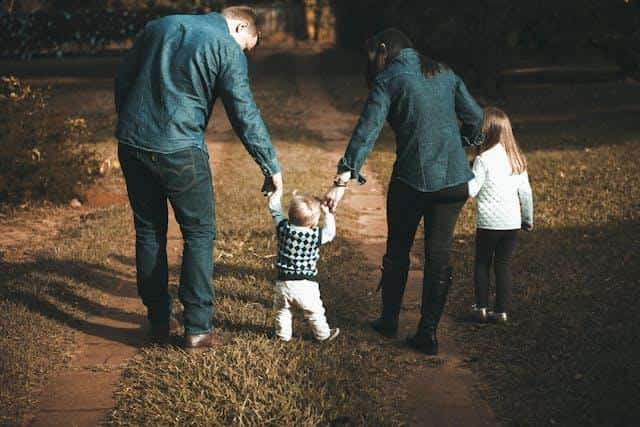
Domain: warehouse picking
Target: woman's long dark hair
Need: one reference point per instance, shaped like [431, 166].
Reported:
[395, 40]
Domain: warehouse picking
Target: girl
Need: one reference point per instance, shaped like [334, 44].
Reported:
[503, 206]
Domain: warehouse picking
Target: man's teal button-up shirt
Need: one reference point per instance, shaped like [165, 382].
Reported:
[168, 82]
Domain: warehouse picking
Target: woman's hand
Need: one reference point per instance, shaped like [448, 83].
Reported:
[333, 197]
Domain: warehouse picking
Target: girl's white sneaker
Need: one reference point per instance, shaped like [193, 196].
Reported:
[479, 314]
[498, 317]
[333, 333]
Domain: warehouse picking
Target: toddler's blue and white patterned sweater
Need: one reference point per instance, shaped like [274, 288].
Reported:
[299, 246]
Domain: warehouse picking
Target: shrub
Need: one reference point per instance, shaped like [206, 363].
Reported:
[41, 157]
[60, 31]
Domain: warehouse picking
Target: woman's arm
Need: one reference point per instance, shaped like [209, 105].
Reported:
[366, 132]
[470, 113]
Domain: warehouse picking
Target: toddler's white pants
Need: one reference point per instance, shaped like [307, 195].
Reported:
[304, 294]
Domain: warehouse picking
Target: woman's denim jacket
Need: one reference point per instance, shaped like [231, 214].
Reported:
[423, 112]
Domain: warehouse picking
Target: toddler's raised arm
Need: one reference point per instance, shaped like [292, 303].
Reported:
[328, 232]
[275, 207]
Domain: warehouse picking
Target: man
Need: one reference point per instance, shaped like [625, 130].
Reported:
[164, 93]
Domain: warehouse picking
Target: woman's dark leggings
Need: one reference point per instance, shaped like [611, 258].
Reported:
[405, 209]
[496, 246]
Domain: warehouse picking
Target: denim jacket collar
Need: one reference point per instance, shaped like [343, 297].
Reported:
[218, 19]
[408, 60]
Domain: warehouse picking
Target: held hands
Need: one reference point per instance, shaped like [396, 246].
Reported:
[335, 193]
[272, 186]
[333, 197]
[325, 209]
[527, 227]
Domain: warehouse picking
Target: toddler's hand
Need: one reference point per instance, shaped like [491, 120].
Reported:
[325, 208]
[527, 227]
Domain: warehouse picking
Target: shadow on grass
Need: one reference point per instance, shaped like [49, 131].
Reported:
[69, 291]
[570, 350]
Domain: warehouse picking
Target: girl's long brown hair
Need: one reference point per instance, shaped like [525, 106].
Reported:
[497, 130]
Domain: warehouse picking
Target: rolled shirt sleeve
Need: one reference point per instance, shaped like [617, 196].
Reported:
[243, 112]
[366, 132]
[470, 113]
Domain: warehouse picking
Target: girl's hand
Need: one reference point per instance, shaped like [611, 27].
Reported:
[333, 197]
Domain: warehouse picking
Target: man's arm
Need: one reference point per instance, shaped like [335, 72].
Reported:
[127, 72]
[244, 115]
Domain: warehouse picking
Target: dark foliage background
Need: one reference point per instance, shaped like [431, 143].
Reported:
[481, 37]
[42, 157]
[477, 38]
[57, 30]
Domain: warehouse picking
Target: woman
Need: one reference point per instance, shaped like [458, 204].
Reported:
[423, 101]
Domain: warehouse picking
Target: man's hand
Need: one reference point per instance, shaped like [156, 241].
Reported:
[273, 184]
[333, 197]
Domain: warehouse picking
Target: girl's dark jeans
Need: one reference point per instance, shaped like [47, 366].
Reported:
[494, 246]
[406, 207]
[184, 179]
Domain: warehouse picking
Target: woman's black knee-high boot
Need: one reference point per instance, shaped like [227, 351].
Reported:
[392, 284]
[434, 298]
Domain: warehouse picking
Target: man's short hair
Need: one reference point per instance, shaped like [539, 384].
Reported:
[243, 13]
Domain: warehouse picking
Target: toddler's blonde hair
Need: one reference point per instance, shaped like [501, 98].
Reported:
[304, 210]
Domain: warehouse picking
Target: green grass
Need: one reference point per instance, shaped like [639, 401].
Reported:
[569, 354]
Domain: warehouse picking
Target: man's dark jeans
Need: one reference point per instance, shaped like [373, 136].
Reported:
[183, 178]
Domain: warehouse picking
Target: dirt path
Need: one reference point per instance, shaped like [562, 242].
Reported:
[83, 393]
[440, 390]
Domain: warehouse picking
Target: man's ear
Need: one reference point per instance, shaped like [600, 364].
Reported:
[240, 27]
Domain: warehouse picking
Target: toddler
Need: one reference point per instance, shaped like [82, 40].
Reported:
[503, 206]
[299, 240]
